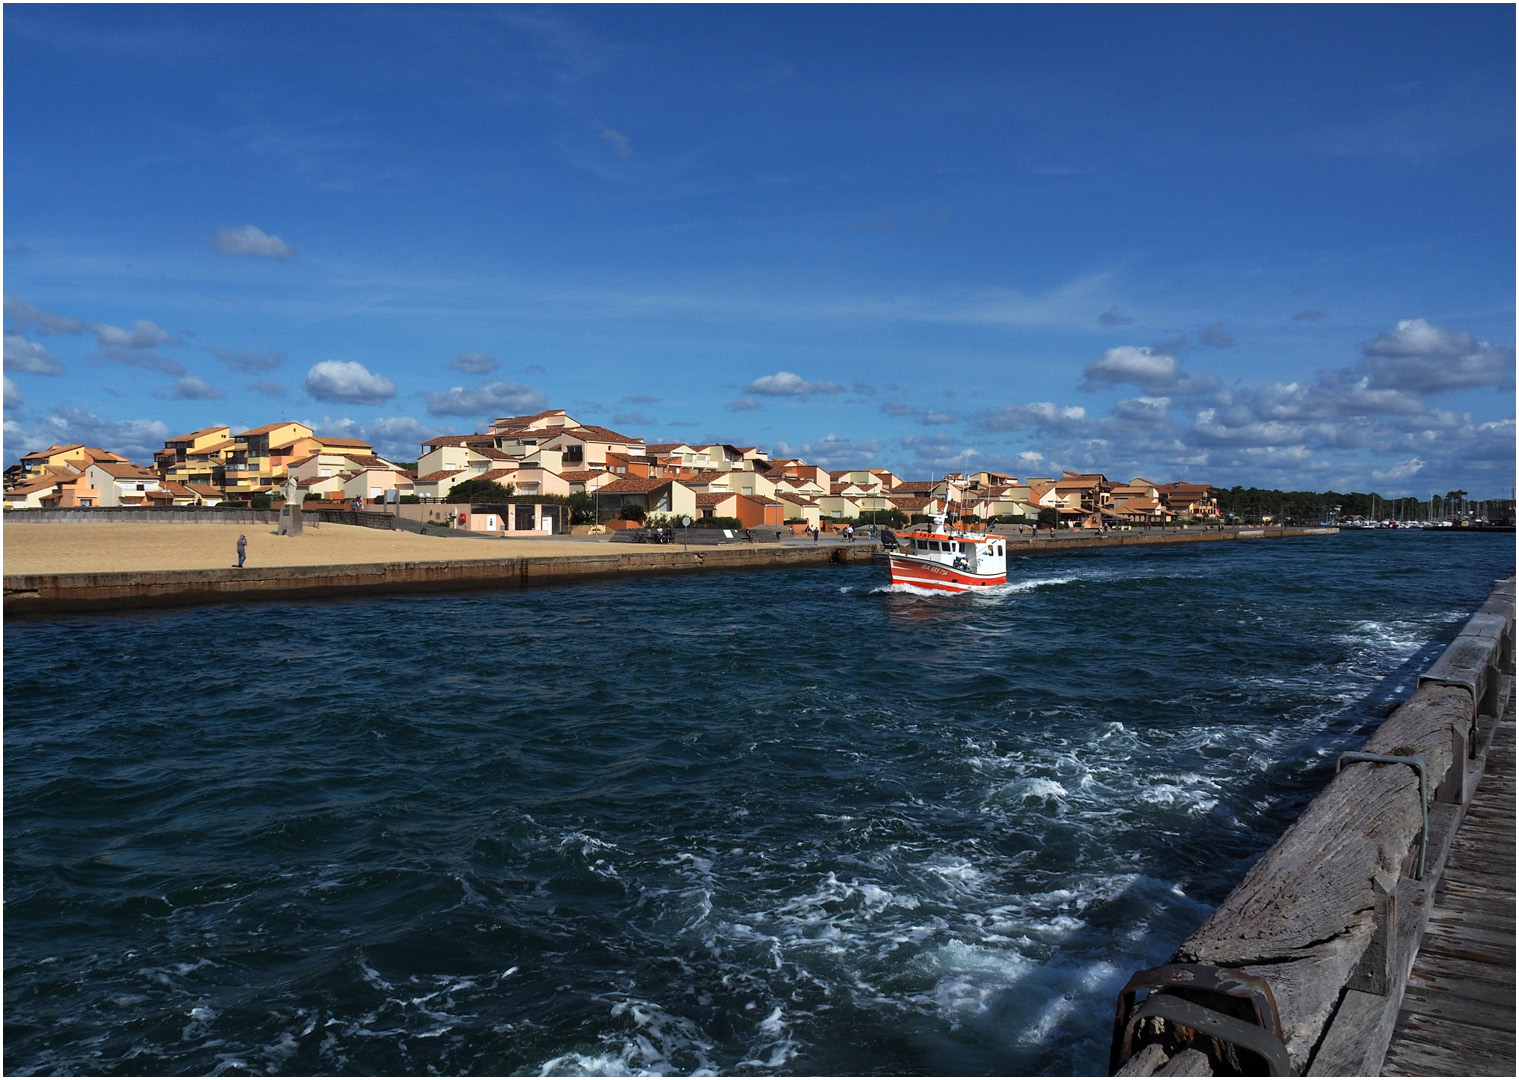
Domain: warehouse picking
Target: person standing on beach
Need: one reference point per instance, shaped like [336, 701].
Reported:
[242, 549]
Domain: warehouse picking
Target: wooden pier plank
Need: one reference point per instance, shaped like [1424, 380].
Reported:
[1457, 1016]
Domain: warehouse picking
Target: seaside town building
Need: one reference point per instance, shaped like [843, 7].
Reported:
[553, 455]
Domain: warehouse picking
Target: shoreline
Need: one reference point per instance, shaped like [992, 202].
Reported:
[84, 592]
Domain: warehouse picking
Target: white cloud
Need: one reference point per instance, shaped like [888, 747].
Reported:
[789, 384]
[349, 381]
[27, 317]
[832, 452]
[1421, 357]
[250, 240]
[474, 363]
[136, 439]
[28, 356]
[1152, 371]
[143, 335]
[501, 399]
[141, 358]
[14, 398]
[190, 388]
[1401, 471]
[1041, 415]
[746, 404]
[248, 360]
[394, 437]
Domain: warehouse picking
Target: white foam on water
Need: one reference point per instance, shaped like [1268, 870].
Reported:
[651, 1042]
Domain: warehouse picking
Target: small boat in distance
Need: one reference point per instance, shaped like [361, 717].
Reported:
[941, 557]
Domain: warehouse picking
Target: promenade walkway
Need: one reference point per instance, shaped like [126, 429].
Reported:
[1457, 1014]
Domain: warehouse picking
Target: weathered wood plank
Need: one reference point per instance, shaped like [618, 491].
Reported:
[1477, 989]
[1466, 1049]
[1187, 1063]
[1305, 914]
[1436, 1005]
[1144, 1063]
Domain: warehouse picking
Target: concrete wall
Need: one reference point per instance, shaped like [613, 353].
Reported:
[174, 515]
[41, 594]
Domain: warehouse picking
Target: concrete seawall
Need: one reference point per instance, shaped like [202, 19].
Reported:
[41, 594]
[48, 594]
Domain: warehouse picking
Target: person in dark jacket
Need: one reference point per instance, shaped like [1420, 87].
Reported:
[242, 549]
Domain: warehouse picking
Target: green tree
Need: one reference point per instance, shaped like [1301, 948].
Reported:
[632, 512]
[582, 506]
[1049, 516]
[479, 490]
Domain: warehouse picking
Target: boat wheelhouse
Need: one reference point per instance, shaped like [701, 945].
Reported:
[946, 559]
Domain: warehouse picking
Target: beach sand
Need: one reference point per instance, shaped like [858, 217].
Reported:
[93, 548]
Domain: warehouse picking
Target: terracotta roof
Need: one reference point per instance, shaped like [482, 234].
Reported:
[51, 450]
[214, 448]
[441, 474]
[601, 434]
[35, 485]
[636, 485]
[205, 491]
[497, 475]
[460, 440]
[909, 502]
[125, 470]
[197, 434]
[712, 498]
[328, 440]
[268, 428]
[916, 485]
[580, 477]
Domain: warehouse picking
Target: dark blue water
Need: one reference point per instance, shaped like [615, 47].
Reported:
[782, 822]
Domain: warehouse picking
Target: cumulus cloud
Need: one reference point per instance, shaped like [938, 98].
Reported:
[14, 398]
[832, 452]
[1038, 415]
[248, 360]
[190, 388]
[1152, 371]
[789, 384]
[502, 399]
[1401, 471]
[22, 314]
[136, 439]
[347, 381]
[143, 335]
[28, 356]
[141, 358]
[744, 404]
[1420, 357]
[398, 438]
[250, 240]
[474, 363]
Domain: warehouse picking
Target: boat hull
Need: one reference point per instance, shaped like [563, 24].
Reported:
[924, 574]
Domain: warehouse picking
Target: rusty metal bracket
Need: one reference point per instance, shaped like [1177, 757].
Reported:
[1418, 765]
[1254, 1025]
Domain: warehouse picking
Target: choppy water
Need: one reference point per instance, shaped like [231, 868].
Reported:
[784, 822]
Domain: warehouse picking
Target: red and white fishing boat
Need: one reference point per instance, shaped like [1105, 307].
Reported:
[948, 559]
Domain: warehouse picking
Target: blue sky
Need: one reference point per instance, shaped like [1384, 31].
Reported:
[1248, 245]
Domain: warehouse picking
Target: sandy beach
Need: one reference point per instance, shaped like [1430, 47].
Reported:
[85, 548]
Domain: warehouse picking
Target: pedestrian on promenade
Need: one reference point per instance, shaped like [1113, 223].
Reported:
[242, 549]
